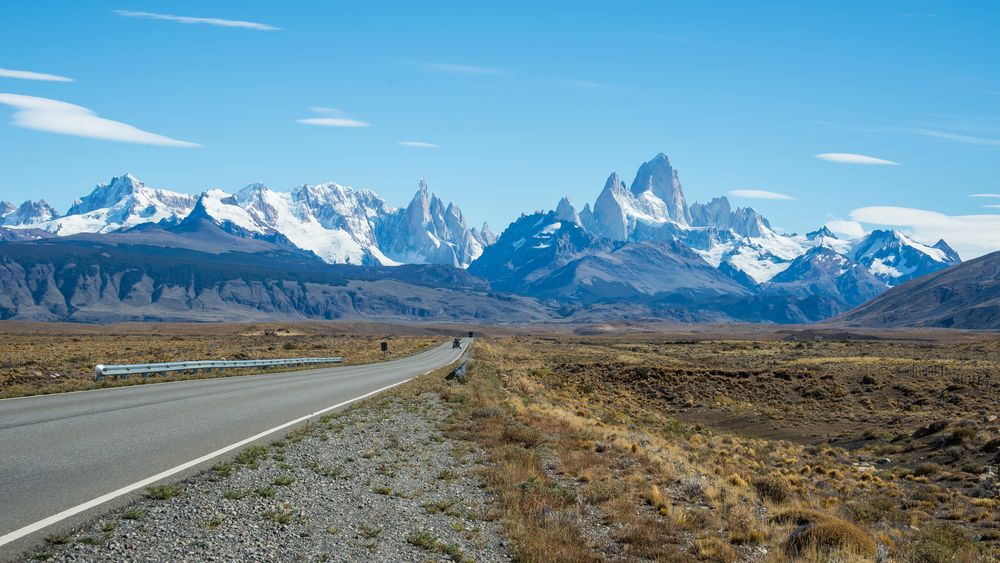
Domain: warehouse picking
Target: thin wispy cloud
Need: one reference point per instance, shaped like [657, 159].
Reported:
[852, 158]
[992, 206]
[936, 133]
[418, 144]
[760, 194]
[456, 68]
[957, 137]
[985, 195]
[219, 22]
[29, 75]
[332, 118]
[54, 116]
[970, 235]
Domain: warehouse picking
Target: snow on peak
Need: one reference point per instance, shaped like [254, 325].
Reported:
[27, 214]
[823, 232]
[223, 208]
[567, 212]
[658, 178]
[894, 257]
[428, 231]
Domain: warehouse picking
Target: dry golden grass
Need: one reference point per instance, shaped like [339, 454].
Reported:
[47, 361]
[589, 460]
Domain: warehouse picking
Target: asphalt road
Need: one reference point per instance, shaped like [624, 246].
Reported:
[58, 452]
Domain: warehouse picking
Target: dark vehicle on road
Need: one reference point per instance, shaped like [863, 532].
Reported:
[457, 343]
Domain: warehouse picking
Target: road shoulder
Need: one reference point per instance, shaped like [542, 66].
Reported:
[375, 482]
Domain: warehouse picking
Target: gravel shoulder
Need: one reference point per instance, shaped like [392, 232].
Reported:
[377, 482]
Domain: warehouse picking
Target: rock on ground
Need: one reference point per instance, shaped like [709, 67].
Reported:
[375, 483]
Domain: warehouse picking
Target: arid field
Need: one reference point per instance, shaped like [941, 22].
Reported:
[730, 450]
[41, 358]
[780, 445]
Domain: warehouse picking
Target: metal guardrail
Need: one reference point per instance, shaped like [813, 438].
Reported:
[125, 370]
[460, 373]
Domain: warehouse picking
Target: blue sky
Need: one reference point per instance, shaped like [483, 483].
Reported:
[525, 103]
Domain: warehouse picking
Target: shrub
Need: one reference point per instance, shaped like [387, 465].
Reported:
[799, 517]
[743, 526]
[714, 549]
[961, 435]
[773, 488]
[942, 543]
[828, 536]
[871, 510]
[516, 432]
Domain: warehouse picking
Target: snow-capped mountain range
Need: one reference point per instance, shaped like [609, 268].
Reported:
[654, 208]
[639, 244]
[337, 223]
[642, 249]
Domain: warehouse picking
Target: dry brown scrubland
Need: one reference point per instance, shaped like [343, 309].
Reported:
[37, 359]
[589, 460]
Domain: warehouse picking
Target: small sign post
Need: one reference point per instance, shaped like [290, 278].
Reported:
[385, 348]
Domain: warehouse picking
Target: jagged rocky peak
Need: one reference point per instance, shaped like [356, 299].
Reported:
[428, 231]
[823, 232]
[6, 207]
[949, 252]
[107, 195]
[251, 191]
[487, 235]
[712, 214]
[749, 222]
[609, 218]
[895, 257]
[566, 212]
[122, 203]
[419, 209]
[659, 177]
[28, 213]
[718, 213]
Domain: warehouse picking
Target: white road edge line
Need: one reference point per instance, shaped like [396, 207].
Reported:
[31, 528]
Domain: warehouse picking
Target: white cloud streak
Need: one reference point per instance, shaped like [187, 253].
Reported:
[29, 75]
[985, 195]
[760, 194]
[219, 22]
[336, 118]
[970, 235]
[418, 144]
[956, 137]
[921, 131]
[851, 158]
[54, 116]
[333, 122]
[457, 69]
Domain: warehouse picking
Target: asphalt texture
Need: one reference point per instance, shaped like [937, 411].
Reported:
[60, 451]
